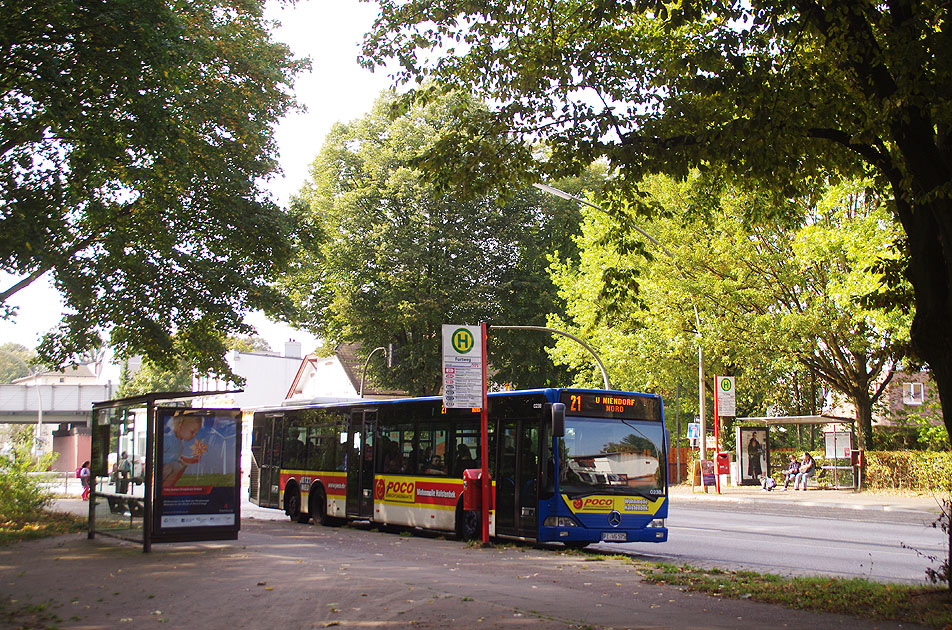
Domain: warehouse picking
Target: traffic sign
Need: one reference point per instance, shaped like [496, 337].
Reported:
[462, 366]
[726, 398]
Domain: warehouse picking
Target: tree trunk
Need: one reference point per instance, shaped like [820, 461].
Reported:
[864, 418]
[929, 233]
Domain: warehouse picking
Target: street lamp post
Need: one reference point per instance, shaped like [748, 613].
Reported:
[601, 367]
[697, 318]
[389, 350]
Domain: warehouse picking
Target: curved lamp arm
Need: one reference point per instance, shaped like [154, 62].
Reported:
[564, 334]
[363, 372]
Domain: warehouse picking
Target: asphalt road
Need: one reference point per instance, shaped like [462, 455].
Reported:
[787, 540]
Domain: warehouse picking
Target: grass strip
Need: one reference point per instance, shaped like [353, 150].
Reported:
[924, 605]
[39, 526]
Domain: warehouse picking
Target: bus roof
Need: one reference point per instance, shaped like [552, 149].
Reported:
[551, 393]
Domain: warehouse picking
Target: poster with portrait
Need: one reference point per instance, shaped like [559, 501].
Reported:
[197, 473]
[753, 454]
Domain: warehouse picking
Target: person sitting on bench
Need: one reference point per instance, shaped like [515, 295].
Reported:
[807, 470]
[791, 472]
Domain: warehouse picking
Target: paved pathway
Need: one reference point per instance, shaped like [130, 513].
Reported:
[286, 575]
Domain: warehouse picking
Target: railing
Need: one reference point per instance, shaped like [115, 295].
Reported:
[59, 483]
[54, 397]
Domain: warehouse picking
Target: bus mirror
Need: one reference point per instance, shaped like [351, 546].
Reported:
[558, 419]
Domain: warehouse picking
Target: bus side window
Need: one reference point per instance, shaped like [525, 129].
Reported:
[341, 443]
[295, 447]
[320, 447]
[408, 448]
[466, 448]
[438, 462]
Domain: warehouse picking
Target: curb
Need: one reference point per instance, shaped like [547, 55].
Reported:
[925, 508]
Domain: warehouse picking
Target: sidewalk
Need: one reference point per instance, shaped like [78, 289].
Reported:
[729, 495]
[845, 499]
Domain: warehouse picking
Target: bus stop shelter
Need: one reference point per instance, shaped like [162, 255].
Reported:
[838, 445]
[164, 471]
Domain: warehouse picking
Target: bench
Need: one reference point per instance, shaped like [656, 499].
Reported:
[122, 505]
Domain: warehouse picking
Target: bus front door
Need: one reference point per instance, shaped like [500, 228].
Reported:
[269, 474]
[517, 477]
[360, 464]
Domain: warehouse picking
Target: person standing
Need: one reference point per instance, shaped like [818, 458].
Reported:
[754, 452]
[84, 474]
[123, 474]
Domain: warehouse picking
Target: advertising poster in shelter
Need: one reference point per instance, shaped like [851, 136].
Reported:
[752, 454]
[198, 475]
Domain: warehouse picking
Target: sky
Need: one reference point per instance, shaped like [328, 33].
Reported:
[336, 90]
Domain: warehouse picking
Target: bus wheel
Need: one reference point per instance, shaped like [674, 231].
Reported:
[319, 508]
[468, 524]
[292, 507]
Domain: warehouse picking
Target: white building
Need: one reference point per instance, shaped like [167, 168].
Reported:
[336, 376]
[267, 378]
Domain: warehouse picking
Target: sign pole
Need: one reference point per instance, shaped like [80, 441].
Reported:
[717, 442]
[484, 441]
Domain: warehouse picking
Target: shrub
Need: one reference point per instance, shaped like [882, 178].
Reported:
[921, 471]
[21, 496]
[896, 439]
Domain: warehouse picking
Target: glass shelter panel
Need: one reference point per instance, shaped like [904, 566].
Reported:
[118, 471]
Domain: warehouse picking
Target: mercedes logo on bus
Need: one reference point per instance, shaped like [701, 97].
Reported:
[614, 518]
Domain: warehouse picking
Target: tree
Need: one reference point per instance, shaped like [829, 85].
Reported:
[773, 302]
[14, 359]
[22, 496]
[636, 306]
[151, 377]
[781, 95]
[134, 139]
[385, 258]
[248, 344]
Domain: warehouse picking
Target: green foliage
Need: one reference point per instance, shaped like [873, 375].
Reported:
[925, 421]
[21, 496]
[248, 344]
[151, 377]
[15, 366]
[135, 137]
[385, 258]
[932, 436]
[776, 98]
[920, 471]
[777, 306]
[898, 438]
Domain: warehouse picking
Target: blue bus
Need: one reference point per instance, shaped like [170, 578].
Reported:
[575, 466]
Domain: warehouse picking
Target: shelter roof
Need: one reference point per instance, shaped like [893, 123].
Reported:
[770, 421]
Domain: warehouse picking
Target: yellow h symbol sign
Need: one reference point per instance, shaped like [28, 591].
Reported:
[463, 340]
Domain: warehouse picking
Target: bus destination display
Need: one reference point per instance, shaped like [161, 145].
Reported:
[611, 405]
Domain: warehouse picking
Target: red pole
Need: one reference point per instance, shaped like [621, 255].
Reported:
[717, 442]
[484, 441]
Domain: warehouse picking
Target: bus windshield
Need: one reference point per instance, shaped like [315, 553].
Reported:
[612, 456]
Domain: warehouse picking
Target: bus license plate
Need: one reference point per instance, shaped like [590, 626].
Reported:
[614, 536]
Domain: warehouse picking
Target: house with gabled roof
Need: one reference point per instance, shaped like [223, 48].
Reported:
[338, 375]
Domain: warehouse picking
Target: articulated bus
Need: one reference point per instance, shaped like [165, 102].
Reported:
[567, 465]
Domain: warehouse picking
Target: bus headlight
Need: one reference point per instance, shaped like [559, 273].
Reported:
[658, 522]
[559, 521]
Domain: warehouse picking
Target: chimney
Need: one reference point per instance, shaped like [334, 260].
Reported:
[292, 349]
